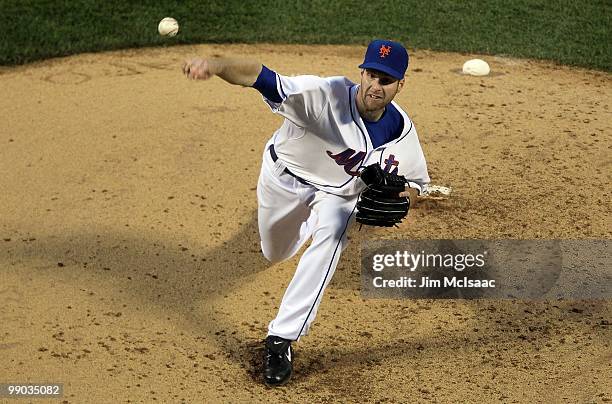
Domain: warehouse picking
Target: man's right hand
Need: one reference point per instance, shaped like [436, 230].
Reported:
[198, 69]
[242, 72]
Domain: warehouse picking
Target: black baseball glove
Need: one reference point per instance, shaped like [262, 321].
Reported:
[380, 204]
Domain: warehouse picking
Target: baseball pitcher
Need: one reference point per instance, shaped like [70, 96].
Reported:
[344, 152]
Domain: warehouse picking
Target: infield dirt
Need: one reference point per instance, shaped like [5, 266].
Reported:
[130, 263]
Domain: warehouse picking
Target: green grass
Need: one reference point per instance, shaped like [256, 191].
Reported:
[569, 32]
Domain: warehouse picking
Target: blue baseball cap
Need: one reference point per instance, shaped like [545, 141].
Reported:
[386, 56]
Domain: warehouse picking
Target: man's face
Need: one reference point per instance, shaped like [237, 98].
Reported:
[378, 88]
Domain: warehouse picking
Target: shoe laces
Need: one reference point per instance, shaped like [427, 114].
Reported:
[276, 356]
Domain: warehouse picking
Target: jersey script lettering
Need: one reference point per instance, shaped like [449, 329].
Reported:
[349, 159]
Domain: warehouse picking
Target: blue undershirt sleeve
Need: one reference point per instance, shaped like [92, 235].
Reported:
[266, 85]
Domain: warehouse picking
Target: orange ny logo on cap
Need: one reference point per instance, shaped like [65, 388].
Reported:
[384, 50]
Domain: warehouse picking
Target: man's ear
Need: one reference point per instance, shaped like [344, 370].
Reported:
[400, 85]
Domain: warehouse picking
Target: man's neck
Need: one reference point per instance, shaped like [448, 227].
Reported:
[372, 116]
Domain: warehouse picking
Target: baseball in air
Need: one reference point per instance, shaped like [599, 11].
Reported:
[476, 67]
[168, 27]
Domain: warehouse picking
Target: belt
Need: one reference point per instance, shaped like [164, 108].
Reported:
[286, 170]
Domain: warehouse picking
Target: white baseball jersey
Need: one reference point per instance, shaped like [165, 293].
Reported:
[324, 141]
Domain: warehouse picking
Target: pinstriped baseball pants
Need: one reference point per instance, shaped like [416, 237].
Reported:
[289, 214]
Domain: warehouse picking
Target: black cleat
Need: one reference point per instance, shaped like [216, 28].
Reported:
[278, 368]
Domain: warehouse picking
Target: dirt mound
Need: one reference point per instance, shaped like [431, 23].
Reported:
[131, 271]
